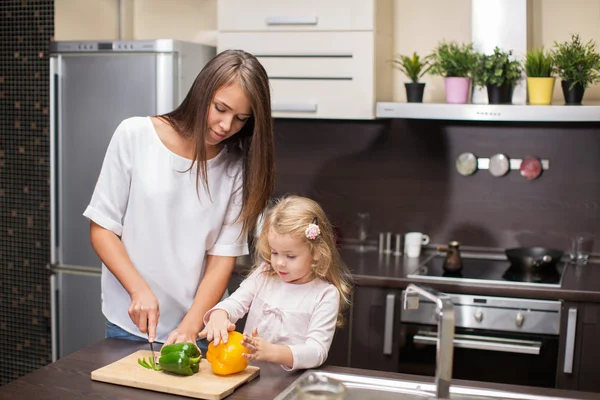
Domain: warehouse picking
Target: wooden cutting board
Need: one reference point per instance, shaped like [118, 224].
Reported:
[202, 385]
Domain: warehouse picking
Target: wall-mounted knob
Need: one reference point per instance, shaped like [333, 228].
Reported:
[478, 316]
[519, 320]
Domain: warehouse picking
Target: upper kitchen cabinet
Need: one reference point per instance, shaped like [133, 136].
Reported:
[325, 59]
[305, 15]
[186, 20]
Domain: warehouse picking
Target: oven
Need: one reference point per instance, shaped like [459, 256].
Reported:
[503, 340]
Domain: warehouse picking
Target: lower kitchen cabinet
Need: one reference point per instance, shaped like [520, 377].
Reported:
[579, 352]
[339, 352]
[375, 336]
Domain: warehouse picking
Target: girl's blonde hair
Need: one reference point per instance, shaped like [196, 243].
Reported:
[291, 215]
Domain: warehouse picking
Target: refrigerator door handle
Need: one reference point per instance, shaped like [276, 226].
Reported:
[55, 98]
[54, 315]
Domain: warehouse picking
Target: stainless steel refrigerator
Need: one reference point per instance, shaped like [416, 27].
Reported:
[93, 87]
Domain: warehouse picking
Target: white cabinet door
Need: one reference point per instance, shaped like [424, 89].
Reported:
[295, 15]
[309, 83]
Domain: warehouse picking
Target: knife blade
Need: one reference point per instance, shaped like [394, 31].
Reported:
[153, 356]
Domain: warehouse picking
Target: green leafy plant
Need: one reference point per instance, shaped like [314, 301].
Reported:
[450, 59]
[577, 62]
[496, 69]
[413, 67]
[538, 64]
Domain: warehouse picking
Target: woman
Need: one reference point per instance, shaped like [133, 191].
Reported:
[176, 197]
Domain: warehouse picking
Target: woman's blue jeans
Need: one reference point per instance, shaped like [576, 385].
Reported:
[115, 331]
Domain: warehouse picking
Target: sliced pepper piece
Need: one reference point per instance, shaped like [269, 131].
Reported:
[143, 363]
[226, 358]
[150, 364]
[179, 363]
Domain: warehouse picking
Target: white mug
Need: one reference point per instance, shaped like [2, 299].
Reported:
[413, 242]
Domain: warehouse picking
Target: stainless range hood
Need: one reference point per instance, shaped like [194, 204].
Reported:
[489, 112]
[489, 19]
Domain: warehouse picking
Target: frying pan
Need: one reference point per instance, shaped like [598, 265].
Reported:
[531, 259]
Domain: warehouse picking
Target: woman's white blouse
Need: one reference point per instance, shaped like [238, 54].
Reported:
[145, 196]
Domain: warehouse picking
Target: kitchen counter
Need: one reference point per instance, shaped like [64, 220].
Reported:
[69, 378]
[579, 282]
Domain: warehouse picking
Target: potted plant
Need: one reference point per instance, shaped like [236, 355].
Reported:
[414, 68]
[578, 66]
[454, 62]
[498, 73]
[539, 68]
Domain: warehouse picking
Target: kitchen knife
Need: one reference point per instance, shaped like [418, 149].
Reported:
[153, 361]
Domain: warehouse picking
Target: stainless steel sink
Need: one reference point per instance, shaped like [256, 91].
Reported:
[360, 387]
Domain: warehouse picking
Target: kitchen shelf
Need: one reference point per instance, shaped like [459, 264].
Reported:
[589, 112]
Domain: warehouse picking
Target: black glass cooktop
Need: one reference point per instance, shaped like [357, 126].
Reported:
[490, 271]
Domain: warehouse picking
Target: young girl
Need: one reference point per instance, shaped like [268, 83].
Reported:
[176, 195]
[295, 295]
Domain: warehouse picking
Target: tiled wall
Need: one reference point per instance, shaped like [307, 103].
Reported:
[26, 28]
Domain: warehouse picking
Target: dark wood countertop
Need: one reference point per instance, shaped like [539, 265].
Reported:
[69, 378]
[579, 283]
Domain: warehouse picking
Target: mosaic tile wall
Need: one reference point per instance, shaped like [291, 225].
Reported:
[26, 27]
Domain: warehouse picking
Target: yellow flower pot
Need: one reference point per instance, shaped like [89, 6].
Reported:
[540, 90]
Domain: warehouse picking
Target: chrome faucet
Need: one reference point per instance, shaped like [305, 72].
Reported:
[445, 341]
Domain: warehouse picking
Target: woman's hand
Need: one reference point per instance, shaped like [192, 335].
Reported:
[258, 348]
[183, 334]
[218, 327]
[144, 311]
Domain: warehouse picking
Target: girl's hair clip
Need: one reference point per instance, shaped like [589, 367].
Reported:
[313, 230]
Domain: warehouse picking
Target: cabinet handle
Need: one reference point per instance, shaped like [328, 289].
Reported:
[295, 107]
[388, 329]
[570, 341]
[287, 20]
[484, 343]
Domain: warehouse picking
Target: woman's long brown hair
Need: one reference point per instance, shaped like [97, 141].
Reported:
[254, 142]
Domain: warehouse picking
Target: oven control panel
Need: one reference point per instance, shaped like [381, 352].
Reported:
[493, 313]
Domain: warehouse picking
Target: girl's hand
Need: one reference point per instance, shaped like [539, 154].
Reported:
[218, 327]
[258, 348]
[182, 334]
[144, 312]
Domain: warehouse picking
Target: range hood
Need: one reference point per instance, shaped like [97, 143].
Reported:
[489, 19]
[489, 112]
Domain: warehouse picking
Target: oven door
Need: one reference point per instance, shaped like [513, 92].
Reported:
[483, 355]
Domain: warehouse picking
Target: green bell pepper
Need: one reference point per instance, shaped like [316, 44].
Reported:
[190, 349]
[179, 363]
[179, 358]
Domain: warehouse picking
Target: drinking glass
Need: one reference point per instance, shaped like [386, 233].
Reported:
[581, 247]
[363, 220]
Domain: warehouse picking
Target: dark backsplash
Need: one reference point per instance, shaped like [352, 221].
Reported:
[403, 173]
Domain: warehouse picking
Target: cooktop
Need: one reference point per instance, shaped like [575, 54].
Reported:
[489, 271]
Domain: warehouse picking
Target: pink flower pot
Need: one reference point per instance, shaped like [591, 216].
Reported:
[457, 90]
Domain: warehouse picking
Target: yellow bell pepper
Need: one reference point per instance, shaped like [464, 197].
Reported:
[226, 358]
